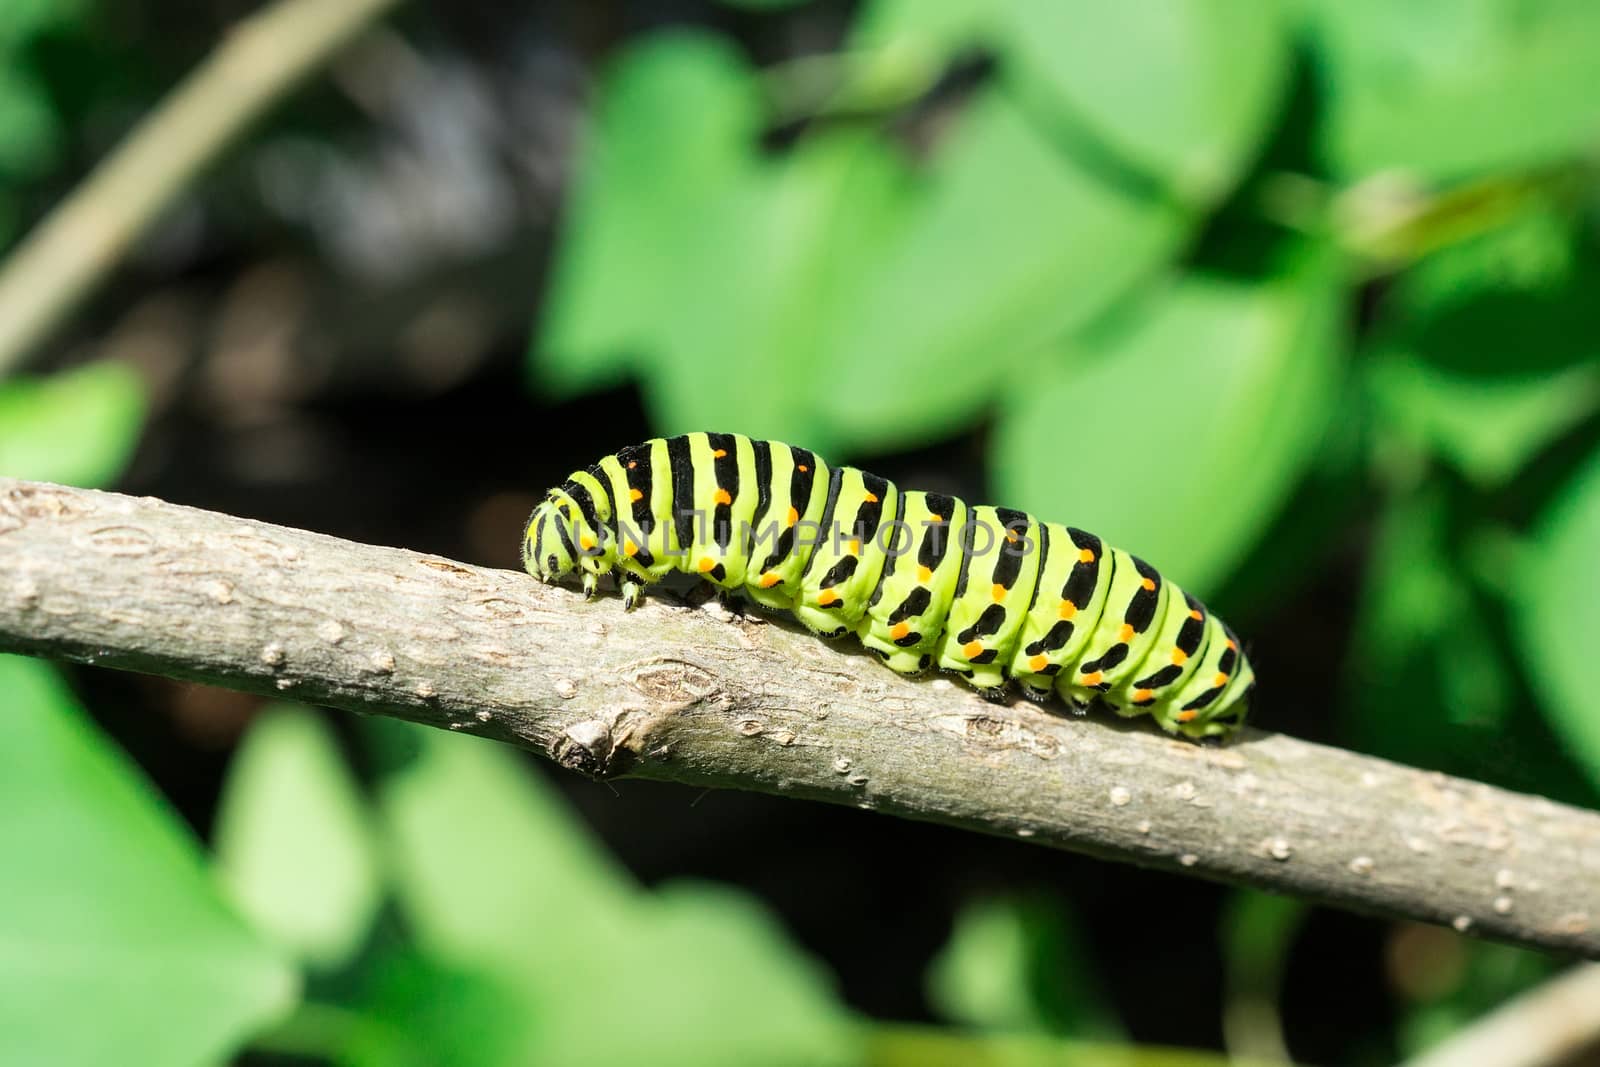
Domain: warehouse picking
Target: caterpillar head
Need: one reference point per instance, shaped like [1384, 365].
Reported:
[557, 538]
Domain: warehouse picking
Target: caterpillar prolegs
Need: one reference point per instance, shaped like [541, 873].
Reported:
[922, 579]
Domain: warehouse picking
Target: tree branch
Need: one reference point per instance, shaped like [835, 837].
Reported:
[264, 57]
[695, 696]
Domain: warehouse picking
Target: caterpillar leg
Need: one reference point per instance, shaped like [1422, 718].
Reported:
[591, 585]
[632, 593]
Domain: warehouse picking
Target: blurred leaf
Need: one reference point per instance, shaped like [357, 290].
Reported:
[1019, 965]
[793, 245]
[1258, 932]
[1449, 89]
[27, 123]
[1487, 427]
[293, 843]
[115, 946]
[1490, 349]
[1010, 243]
[771, 278]
[495, 875]
[1179, 429]
[1480, 978]
[1558, 614]
[674, 136]
[419, 1012]
[924, 1046]
[1425, 662]
[1185, 95]
[27, 19]
[78, 427]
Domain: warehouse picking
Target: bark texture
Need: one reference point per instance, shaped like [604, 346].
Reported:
[698, 696]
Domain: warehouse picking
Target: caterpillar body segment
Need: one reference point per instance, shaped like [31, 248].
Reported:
[922, 579]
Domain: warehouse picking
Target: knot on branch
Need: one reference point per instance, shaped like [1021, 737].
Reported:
[585, 747]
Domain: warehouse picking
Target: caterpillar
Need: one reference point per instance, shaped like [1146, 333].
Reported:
[922, 579]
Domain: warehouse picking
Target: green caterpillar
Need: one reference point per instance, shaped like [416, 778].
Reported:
[923, 579]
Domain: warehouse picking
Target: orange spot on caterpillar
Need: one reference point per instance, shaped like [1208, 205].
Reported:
[1038, 663]
[899, 630]
[720, 453]
[972, 649]
[1220, 679]
[1011, 535]
[1187, 716]
[1068, 609]
[855, 547]
[924, 574]
[721, 497]
[871, 498]
[706, 564]
[1093, 678]
[630, 549]
[586, 542]
[936, 519]
[633, 464]
[1126, 633]
[768, 580]
[1086, 555]
[802, 468]
[826, 597]
[997, 591]
[1195, 615]
[635, 495]
[1179, 657]
[1143, 694]
[1232, 647]
[794, 517]
[1149, 585]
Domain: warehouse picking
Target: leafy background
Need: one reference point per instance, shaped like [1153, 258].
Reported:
[1294, 298]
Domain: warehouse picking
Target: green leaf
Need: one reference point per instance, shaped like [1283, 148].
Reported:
[1488, 427]
[795, 244]
[1185, 98]
[416, 1011]
[1558, 615]
[1257, 934]
[1009, 243]
[78, 427]
[28, 125]
[674, 137]
[892, 1045]
[494, 876]
[1490, 350]
[1179, 429]
[115, 946]
[1019, 965]
[294, 847]
[1449, 89]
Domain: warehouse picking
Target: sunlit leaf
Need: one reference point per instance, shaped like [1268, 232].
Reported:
[1177, 431]
[1448, 89]
[1558, 615]
[78, 427]
[673, 138]
[925, 1046]
[1010, 243]
[1182, 95]
[293, 844]
[115, 945]
[1018, 965]
[495, 875]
